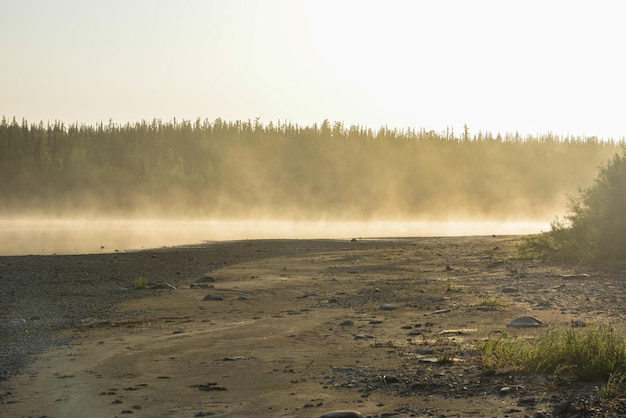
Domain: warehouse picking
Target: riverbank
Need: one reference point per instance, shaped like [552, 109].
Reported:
[293, 328]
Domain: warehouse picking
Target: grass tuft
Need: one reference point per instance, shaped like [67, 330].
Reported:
[141, 283]
[491, 302]
[588, 354]
[614, 388]
[452, 287]
[446, 357]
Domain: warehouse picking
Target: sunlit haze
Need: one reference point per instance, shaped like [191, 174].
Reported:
[531, 66]
[73, 236]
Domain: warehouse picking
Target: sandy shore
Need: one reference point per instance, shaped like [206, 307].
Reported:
[288, 328]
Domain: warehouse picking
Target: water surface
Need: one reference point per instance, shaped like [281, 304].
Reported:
[20, 236]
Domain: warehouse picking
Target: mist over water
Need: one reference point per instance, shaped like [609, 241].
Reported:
[39, 236]
[73, 189]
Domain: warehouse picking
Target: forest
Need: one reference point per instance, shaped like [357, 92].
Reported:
[248, 169]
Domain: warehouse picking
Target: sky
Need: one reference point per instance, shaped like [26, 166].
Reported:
[532, 66]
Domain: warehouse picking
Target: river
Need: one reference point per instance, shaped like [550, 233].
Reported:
[45, 236]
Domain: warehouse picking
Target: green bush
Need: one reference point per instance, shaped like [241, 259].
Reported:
[595, 227]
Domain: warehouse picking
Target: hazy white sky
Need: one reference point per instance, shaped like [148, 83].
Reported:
[529, 66]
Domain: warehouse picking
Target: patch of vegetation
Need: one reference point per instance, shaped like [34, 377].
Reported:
[594, 228]
[614, 388]
[141, 283]
[589, 353]
[491, 302]
[452, 287]
[446, 357]
[504, 351]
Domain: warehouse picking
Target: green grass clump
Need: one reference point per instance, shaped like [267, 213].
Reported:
[141, 283]
[504, 351]
[452, 287]
[446, 357]
[588, 354]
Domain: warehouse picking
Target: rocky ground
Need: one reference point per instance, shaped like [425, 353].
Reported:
[292, 328]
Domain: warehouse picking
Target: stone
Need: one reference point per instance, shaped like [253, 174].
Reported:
[390, 379]
[201, 286]
[342, 414]
[309, 294]
[17, 322]
[525, 322]
[440, 311]
[575, 276]
[212, 297]
[387, 307]
[160, 286]
[462, 331]
[564, 408]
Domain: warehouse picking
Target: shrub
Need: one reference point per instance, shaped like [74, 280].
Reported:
[595, 226]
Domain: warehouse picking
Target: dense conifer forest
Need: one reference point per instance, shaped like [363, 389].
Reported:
[220, 168]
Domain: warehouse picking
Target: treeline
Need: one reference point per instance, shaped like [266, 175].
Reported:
[251, 169]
